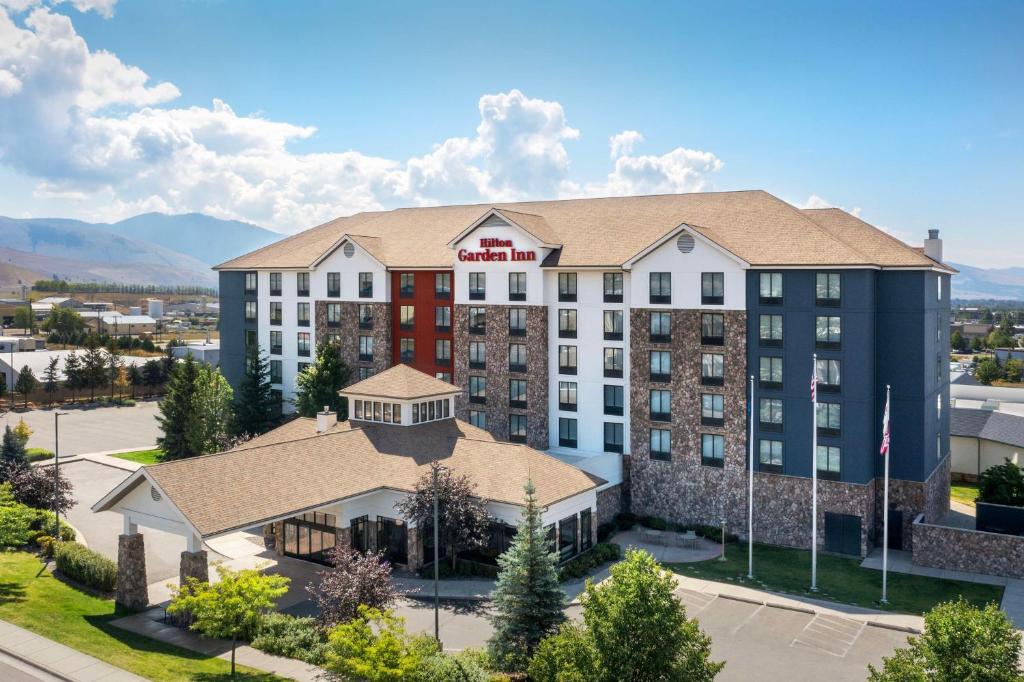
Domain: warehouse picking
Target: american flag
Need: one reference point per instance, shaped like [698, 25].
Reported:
[814, 384]
[884, 450]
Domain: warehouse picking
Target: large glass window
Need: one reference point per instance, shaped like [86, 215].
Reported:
[517, 393]
[250, 311]
[407, 349]
[770, 372]
[442, 318]
[517, 286]
[517, 321]
[567, 323]
[566, 432]
[712, 409]
[365, 285]
[567, 359]
[829, 459]
[613, 325]
[276, 312]
[443, 352]
[828, 375]
[302, 340]
[302, 314]
[770, 414]
[334, 284]
[661, 405]
[661, 327]
[477, 320]
[365, 348]
[613, 437]
[275, 284]
[712, 449]
[365, 316]
[517, 357]
[477, 286]
[661, 287]
[613, 362]
[407, 285]
[613, 287]
[712, 288]
[828, 332]
[567, 396]
[477, 355]
[333, 314]
[407, 317]
[442, 285]
[829, 419]
[770, 291]
[661, 444]
[251, 283]
[567, 537]
[827, 289]
[712, 329]
[770, 453]
[567, 286]
[276, 342]
[478, 418]
[712, 369]
[770, 330]
[613, 400]
[477, 389]
[517, 428]
[661, 365]
[276, 372]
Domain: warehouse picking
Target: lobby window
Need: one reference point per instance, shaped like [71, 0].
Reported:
[517, 393]
[567, 396]
[364, 372]
[302, 314]
[827, 290]
[661, 287]
[517, 357]
[770, 290]
[770, 376]
[613, 400]
[517, 428]
[365, 348]
[334, 284]
[613, 287]
[303, 344]
[406, 317]
[769, 454]
[251, 284]
[567, 287]
[613, 325]
[442, 285]
[586, 527]
[276, 376]
[478, 418]
[442, 318]
[613, 363]
[712, 288]
[661, 365]
[829, 419]
[828, 332]
[712, 450]
[275, 284]
[567, 432]
[661, 327]
[477, 286]
[712, 329]
[712, 369]
[661, 444]
[517, 286]
[829, 460]
[567, 537]
[613, 437]
[250, 311]
[478, 390]
[567, 323]
[828, 375]
[302, 284]
[712, 409]
[333, 314]
[661, 405]
[477, 320]
[770, 331]
[443, 352]
[276, 342]
[276, 312]
[567, 359]
[477, 355]
[770, 414]
[365, 285]
[517, 321]
[407, 350]
[406, 285]
[365, 316]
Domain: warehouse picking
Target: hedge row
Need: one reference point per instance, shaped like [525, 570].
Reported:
[599, 554]
[22, 525]
[626, 521]
[85, 566]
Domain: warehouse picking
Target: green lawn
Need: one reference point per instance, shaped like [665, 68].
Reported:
[966, 493]
[32, 598]
[779, 569]
[145, 457]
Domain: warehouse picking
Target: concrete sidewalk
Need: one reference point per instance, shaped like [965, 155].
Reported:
[58, 660]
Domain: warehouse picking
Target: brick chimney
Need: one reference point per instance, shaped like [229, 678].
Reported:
[325, 419]
[933, 246]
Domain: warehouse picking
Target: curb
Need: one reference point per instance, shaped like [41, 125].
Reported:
[419, 596]
[813, 612]
[892, 626]
[35, 664]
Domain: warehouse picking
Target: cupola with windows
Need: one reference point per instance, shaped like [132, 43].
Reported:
[401, 396]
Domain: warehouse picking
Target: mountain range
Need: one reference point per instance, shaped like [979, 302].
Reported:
[988, 283]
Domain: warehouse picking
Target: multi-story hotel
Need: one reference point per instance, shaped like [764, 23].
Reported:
[620, 334]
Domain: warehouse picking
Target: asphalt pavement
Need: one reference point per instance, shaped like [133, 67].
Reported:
[91, 429]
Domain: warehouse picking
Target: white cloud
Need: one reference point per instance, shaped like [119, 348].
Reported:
[814, 201]
[680, 170]
[623, 143]
[105, 8]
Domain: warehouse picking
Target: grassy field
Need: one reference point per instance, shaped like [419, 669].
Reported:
[144, 457]
[32, 598]
[966, 493]
[779, 569]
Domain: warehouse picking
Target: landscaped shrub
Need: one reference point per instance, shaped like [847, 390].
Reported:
[599, 554]
[284, 635]
[654, 522]
[625, 520]
[36, 454]
[1002, 484]
[47, 545]
[85, 566]
[16, 525]
[605, 530]
[461, 667]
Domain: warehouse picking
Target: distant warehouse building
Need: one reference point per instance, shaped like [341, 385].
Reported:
[981, 438]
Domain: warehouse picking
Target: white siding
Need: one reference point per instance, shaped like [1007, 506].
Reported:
[686, 269]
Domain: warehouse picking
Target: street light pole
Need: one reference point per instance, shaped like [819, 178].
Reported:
[434, 469]
[56, 472]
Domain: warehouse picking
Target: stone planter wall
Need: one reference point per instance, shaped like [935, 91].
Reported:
[975, 551]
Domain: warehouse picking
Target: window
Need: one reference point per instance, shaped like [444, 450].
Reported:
[444, 376]
[938, 287]
[712, 329]
[712, 369]
[365, 348]
[586, 530]
[302, 367]
[661, 365]
[770, 454]
[826, 289]
[302, 284]
[334, 284]
[407, 285]
[567, 396]
[442, 318]
[567, 287]
[517, 321]
[517, 393]
[442, 352]
[365, 316]
[303, 344]
[712, 450]
[613, 287]
[407, 350]
[407, 317]
[302, 314]
[712, 288]
[567, 359]
[276, 372]
[661, 287]
[365, 285]
[275, 284]
[566, 432]
[477, 320]
[251, 286]
[770, 373]
[478, 389]
[251, 339]
[443, 285]
[613, 437]
[364, 372]
[333, 314]
[334, 339]
[661, 327]
[517, 357]
[770, 291]
[613, 362]
[517, 286]
[250, 311]
[661, 444]
[517, 428]
[276, 312]
[661, 405]
[478, 419]
[829, 419]
[770, 331]
[477, 355]
[613, 400]
[613, 325]
[567, 537]
[827, 332]
[712, 409]
[770, 414]
[828, 376]
[567, 323]
[829, 460]
[276, 342]
[477, 286]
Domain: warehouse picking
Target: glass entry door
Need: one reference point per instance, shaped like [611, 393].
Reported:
[392, 539]
[310, 536]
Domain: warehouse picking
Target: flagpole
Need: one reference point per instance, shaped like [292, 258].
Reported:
[885, 506]
[750, 491]
[814, 475]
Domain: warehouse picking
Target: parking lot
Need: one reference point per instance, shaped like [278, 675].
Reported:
[92, 429]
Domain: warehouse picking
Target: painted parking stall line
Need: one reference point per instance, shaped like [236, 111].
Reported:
[831, 634]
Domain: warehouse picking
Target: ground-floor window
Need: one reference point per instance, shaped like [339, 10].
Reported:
[392, 539]
[585, 530]
[567, 538]
[310, 536]
[360, 532]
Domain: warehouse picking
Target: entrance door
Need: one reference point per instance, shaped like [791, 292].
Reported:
[842, 533]
[392, 540]
[895, 529]
[360, 534]
[310, 536]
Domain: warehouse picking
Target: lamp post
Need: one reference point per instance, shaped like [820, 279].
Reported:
[56, 472]
[434, 469]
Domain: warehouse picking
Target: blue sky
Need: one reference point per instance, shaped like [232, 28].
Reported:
[908, 114]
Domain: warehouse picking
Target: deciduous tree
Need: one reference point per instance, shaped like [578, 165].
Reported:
[376, 647]
[353, 579]
[27, 383]
[211, 404]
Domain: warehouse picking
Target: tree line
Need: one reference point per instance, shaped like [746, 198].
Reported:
[62, 286]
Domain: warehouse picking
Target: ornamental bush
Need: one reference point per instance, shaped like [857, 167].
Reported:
[601, 553]
[85, 566]
[16, 525]
[283, 635]
[1002, 484]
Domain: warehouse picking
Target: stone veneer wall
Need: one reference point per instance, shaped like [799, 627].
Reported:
[350, 332]
[609, 503]
[936, 492]
[497, 338]
[975, 551]
[930, 498]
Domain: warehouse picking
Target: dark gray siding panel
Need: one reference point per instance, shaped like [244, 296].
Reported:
[232, 326]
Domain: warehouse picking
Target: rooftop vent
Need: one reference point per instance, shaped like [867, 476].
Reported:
[325, 419]
[155, 494]
[685, 243]
[349, 250]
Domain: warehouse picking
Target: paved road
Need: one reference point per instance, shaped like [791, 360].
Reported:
[15, 670]
[92, 429]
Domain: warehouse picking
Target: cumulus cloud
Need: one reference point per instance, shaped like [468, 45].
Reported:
[623, 143]
[680, 170]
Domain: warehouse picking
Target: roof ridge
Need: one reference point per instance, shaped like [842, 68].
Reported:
[875, 228]
[827, 233]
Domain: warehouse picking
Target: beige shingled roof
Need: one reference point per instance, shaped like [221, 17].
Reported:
[257, 482]
[753, 225]
[401, 382]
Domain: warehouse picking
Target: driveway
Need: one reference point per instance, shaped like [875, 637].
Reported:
[92, 429]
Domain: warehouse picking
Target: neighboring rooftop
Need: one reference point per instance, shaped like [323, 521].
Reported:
[999, 427]
[401, 382]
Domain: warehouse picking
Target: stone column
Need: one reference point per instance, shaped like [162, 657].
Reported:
[194, 565]
[414, 539]
[132, 592]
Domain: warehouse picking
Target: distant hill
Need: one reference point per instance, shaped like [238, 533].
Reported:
[983, 283]
[207, 239]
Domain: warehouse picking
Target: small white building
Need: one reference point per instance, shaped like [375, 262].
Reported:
[39, 360]
[154, 308]
[207, 352]
[983, 438]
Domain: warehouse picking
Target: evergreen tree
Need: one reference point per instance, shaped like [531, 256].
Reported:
[177, 416]
[153, 375]
[13, 448]
[50, 383]
[135, 378]
[113, 367]
[27, 383]
[94, 368]
[528, 600]
[318, 384]
[73, 373]
[255, 406]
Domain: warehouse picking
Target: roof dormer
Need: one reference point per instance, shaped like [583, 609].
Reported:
[401, 396]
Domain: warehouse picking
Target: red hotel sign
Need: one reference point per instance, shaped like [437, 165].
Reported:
[487, 252]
